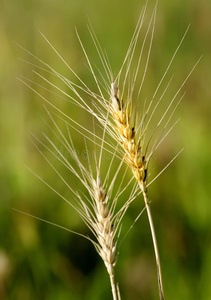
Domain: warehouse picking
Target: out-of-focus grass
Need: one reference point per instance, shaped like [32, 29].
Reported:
[38, 261]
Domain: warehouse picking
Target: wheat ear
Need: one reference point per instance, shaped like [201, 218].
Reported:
[105, 232]
[98, 210]
[126, 133]
[101, 218]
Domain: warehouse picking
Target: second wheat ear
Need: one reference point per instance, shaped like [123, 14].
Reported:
[132, 145]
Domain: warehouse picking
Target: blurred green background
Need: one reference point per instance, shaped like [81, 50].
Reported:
[39, 261]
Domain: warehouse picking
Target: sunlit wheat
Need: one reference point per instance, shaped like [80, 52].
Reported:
[125, 121]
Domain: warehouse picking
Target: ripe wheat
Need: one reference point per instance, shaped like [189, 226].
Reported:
[116, 112]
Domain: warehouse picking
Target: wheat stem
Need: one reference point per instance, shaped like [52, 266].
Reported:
[113, 286]
[151, 224]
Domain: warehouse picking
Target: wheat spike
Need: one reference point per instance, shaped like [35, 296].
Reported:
[98, 208]
[105, 231]
[127, 135]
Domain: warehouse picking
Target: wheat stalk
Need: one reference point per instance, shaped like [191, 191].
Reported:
[126, 133]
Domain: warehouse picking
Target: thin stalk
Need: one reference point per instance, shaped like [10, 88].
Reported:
[147, 205]
[113, 285]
